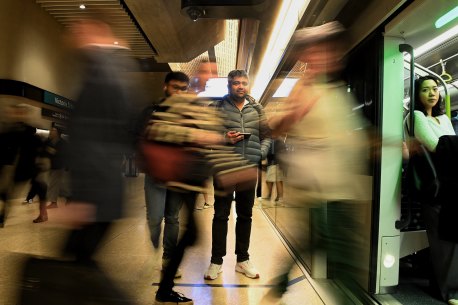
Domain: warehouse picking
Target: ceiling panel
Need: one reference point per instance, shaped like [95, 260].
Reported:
[124, 26]
[443, 58]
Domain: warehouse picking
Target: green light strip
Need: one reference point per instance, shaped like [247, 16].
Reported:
[449, 16]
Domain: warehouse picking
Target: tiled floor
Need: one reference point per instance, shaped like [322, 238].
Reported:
[127, 255]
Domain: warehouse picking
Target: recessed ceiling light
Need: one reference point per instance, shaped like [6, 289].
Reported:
[115, 42]
[449, 16]
[82, 6]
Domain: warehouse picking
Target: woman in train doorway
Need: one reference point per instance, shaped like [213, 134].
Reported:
[431, 128]
[326, 168]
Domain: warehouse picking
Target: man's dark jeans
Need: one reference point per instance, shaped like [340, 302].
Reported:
[244, 208]
[188, 239]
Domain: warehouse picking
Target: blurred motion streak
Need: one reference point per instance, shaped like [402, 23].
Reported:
[327, 169]
[98, 138]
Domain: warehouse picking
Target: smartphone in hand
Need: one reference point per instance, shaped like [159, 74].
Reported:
[246, 135]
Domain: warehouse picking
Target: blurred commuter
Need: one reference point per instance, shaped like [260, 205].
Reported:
[34, 164]
[160, 203]
[274, 174]
[328, 162]
[30, 145]
[241, 115]
[98, 133]
[40, 165]
[98, 138]
[55, 146]
[206, 204]
[205, 71]
[14, 159]
[178, 136]
[434, 130]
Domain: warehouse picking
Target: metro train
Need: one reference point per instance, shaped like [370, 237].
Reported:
[390, 43]
[379, 73]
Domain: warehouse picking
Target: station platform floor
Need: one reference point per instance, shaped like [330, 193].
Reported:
[129, 258]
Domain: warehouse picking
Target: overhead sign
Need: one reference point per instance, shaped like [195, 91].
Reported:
[54, 114]
[57, 100]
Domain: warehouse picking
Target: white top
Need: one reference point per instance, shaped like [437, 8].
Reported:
[428, 130]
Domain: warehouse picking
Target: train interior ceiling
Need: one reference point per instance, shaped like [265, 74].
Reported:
[435, 44]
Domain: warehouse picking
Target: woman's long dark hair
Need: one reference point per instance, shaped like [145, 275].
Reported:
[438, 108]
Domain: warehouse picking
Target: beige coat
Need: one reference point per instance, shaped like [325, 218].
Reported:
[330, 153]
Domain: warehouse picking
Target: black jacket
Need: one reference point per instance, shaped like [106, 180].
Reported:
[99, 130]
[446, 161]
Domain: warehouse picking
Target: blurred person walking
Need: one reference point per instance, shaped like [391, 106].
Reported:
[98, 134]
[328, 162]
[205, 71]
[17, 154]
[246, 130]
[98, 138]
[174, 145]
[275, 173]
[55, 147]
[160, 203]
[35, 163]
[31, 164]
[206, 204]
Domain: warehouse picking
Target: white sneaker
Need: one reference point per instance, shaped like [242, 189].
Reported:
[248, 269]
[213, 271]
[165, 262]
[262, 202]
[279, 202]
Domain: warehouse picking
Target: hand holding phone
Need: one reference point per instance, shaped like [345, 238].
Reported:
[245, 135]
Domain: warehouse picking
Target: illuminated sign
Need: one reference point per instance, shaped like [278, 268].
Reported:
[57, 100]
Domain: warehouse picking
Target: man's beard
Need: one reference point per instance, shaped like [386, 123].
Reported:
[237, 97]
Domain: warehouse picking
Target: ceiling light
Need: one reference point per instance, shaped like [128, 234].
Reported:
[116, 42]
[449, 16]
[82, 6]
[436, 41]
[288, 18]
